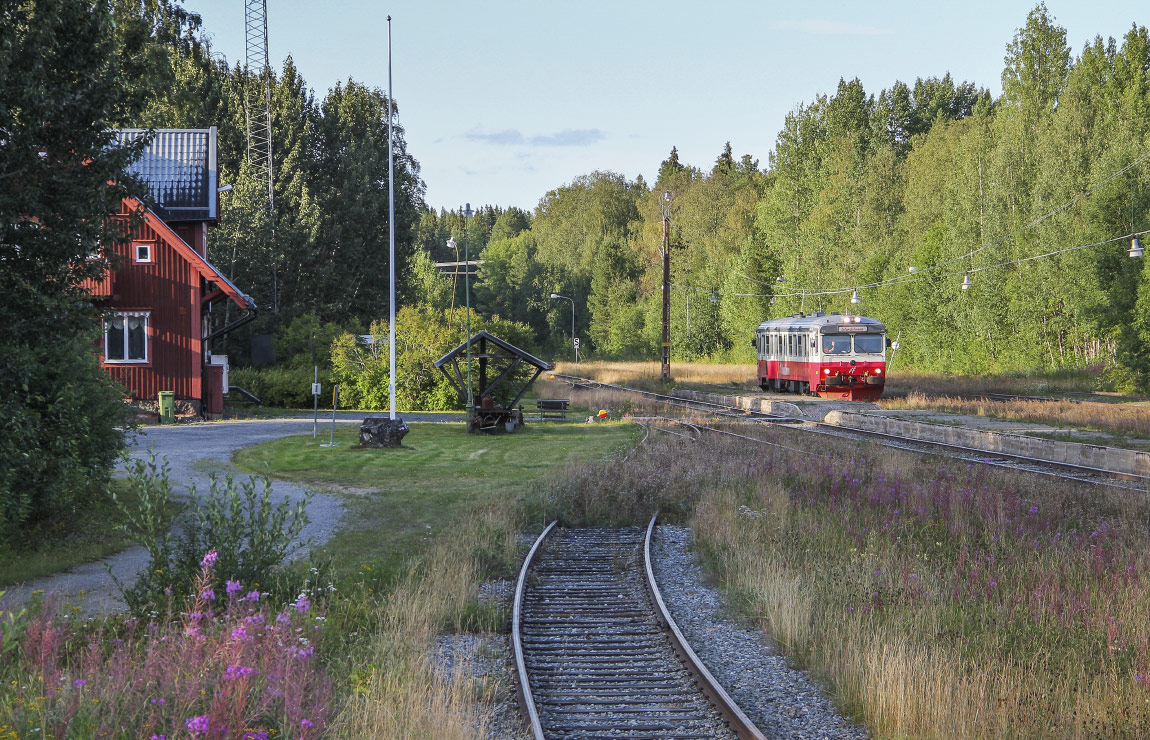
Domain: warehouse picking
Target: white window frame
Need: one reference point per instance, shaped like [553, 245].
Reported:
[147, 358]
[136, 251]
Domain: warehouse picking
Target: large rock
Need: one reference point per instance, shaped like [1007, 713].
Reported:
[381, 431]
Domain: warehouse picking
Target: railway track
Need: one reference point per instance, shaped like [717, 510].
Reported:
[1050, 468]
[597, 653]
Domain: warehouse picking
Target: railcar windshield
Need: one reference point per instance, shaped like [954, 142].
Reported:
[836, 344]
[868, 344]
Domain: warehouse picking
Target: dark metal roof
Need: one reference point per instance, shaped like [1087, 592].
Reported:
[180, 170]
[525, 356]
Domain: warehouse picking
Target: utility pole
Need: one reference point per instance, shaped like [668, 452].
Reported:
[667, 286]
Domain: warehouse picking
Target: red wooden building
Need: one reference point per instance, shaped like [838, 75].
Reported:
[165, 301]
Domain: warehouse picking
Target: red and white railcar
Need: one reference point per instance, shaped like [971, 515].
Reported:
[832, 356]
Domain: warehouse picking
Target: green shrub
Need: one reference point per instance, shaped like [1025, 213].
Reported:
[62, 432]
[282, 387]
[423, 335]
[251, 536]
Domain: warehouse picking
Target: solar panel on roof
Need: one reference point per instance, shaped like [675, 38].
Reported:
[179, 168]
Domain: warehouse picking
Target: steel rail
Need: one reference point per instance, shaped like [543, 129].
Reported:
[742, 726]
[526, 701]
[810, 426]
[705, 683]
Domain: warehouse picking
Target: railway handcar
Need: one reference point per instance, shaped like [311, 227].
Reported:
[832, 356]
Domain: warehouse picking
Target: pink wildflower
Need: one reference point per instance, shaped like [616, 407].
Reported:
[199, 723]
[209, 560]
[234, 587]
[252, 596]
[302, 604]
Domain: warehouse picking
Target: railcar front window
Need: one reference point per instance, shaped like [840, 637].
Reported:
[836, 344]
[868, 344]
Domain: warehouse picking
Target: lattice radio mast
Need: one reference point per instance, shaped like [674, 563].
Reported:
[258, 110]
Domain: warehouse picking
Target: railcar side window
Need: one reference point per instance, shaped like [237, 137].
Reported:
[836, 344]
[868, 344]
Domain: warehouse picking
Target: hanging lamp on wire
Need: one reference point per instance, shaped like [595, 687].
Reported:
[855, 296]
[1135, 245]
[966, 281]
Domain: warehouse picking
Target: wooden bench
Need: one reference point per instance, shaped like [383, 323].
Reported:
[552, 408]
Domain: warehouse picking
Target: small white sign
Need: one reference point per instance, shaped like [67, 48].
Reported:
[315, 389]
[576, 342]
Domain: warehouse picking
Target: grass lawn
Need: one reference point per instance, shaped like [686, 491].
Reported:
[397, 500]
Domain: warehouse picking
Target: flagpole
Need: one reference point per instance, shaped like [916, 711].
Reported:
[390, 228]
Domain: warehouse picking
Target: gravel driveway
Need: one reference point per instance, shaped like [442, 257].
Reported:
[192, 452]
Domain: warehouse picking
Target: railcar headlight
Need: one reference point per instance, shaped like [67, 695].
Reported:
[878, 371]
[827, 370]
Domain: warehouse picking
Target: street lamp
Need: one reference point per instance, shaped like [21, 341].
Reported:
[574, 341]
[467, 213]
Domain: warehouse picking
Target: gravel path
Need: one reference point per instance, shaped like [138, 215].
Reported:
[193, 451]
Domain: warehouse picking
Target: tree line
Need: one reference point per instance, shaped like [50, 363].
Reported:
[900, 196]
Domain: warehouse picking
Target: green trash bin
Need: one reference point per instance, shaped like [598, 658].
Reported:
[167, 407]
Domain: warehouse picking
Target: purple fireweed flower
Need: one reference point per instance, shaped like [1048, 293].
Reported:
[79, 683]
[208, 594]
[158, 701]
[912, 575]
[878, 572]
[210, 558]
[252, 596]
[306, 723]
[254, 619]
[255, 735]
[233, 587]
[199, 723]
[282, 618]
[238, 671]
[239, 633]
[196, 616]
[157, 737]
[302, 604]
[1139, 677]
[1033, 509]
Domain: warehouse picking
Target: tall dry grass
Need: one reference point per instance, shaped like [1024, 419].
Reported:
[1133, 421]
[649, 373]
[398, 693]
[935, 601]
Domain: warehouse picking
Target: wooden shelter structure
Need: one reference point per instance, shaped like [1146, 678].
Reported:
[501, 358]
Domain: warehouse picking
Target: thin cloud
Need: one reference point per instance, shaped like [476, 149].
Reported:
[830, 28]
[570, 137]
[513, 137]
[507, 137]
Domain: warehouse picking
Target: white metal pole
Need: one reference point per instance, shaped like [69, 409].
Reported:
[390, 229]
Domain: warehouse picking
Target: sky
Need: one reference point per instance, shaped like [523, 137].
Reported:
[503, 101]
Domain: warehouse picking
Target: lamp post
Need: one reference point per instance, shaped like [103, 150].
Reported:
[574, 341]
[467, 213]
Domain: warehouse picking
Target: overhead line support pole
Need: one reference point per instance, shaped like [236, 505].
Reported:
[666, 374]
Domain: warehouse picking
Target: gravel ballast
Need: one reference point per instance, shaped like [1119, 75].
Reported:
[782, 701]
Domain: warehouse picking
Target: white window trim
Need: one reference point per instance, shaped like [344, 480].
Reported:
[147, 316]
[136, 252]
